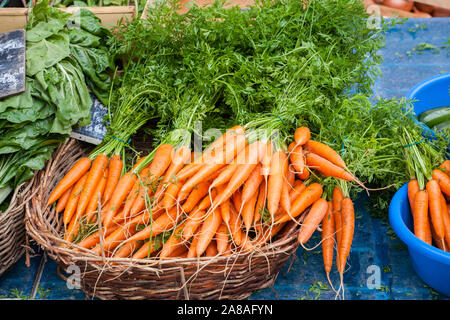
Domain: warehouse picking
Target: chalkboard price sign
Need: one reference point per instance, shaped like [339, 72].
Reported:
[12, 63]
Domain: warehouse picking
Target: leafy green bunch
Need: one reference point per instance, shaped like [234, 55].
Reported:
[66, 57]
[269, 61]
[275, 66]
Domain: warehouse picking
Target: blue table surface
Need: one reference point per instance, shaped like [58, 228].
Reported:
[376, 253]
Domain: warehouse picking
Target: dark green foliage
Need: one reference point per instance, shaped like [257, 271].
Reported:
[65, 56]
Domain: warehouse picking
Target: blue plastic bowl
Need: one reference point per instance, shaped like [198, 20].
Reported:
[430, 263]
[430, 93]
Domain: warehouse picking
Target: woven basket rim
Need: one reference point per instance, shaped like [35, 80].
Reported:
[79, 253]
[12, 226]
[13, 205]
[42, 226]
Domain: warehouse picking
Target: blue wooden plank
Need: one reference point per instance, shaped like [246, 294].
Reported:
[56, 288]
[17, 282]
[96, 130]
[402, 71]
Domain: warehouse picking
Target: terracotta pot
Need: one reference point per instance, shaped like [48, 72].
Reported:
[441, 12]
[405, 5]
[424, 7]
[421, 14]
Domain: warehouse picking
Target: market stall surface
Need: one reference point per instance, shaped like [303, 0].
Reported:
[379, 267]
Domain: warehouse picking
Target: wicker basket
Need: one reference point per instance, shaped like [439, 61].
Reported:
[235, 276]
[12, 227]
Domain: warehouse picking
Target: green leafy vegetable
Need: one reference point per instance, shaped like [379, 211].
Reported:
[62, 63]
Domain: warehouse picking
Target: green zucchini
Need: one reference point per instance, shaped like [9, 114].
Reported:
[441, 126]
[435, 116]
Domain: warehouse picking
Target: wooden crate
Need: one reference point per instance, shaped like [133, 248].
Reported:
[185, 4]
[16, 18]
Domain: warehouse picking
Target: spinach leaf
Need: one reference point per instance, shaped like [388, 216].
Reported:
[45, 53]
[43, 12]
[43, 30]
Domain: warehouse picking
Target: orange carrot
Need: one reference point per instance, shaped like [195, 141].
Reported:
[161, 161]
[420, 215]
[255, 154]
[348, 227]
[219, 161]
[214, 154]
[74, 175]
[147, 249]
[299, 188]
[267, 233]
[126, 250]
[413, 187]
[305, 174]
[94, 177]
[327, 168]
[132, 195]
[310, 195]
[136, 190]
[193, 222]
[207, 231]
[265, 162]
[251, 186]
[114, 172]
[180, 159]
[445, 221]
[325, 152]
[62, 201]
[121, 191]
[443, 180]
[338, 196]
[170, 196]
[195, 196]
[290, 178]
[211, 250]
[248, 211]
[296, 157]
[235, 226]
[275, 183]
[225, 211]
[193, 248]
[116, 234]
[236, 198]
[94, 239]
[318, 210]
[285, 199]
[328, 230]
[206, 202]
[222, 239]
[174, 242]
[302, 135]
[219, 144]
[438, 242]
[445, 166]
[447, 227]
[115, 238]
[260, 204]
[434, 205]
[98, 194]
[163, 223]
[188, 171]
[225, 175]
[73, 200]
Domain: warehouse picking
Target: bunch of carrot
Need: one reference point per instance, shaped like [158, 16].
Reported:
[235, 196]
[428, 188]
[431, 209]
